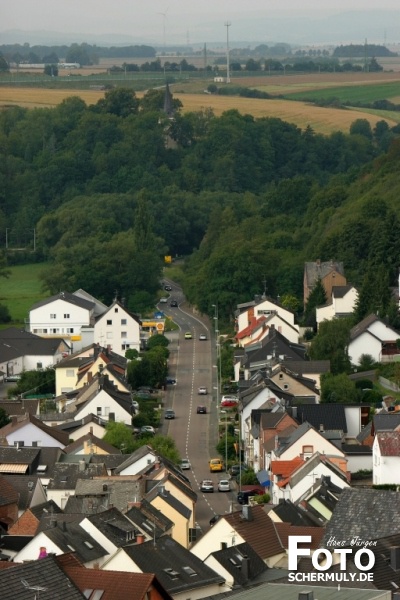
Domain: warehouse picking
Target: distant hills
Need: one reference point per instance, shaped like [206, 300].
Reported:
[253, 28]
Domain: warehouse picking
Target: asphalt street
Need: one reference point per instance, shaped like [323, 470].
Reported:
[196, 435]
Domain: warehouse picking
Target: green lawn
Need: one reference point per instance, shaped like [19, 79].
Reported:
[21, 290]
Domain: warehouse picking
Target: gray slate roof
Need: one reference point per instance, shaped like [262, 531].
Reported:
[146, 515]
[115, 526]
[72, 537]
[177, 569]
[331, 416]
[43, 579]
[242, 562]
[67, 297]
[385, 421]
[367, 513]
[15, 342]
[66, 475]
[173, 502]
[318, 270]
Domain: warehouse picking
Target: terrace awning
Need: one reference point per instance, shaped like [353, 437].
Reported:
[263, 478]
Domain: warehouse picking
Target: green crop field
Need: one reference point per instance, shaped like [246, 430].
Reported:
[19, 291]
[350, 94]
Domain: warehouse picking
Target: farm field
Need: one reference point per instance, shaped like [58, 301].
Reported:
[322, 120]
[20, 291]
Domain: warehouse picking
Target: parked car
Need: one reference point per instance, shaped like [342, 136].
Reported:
[185, 464]
[244, 495]
[235, 469]
[135, 405]
[163, 300]
[167, 288]
[173, 303]
[206, 485]
[202, 391]
[202, 337]
[229, 401]
[169, 414]
[201, 410]
[214, 519]
[147, 429]
[216, 464]
[188, 335]
[224, 485]
[12, 378]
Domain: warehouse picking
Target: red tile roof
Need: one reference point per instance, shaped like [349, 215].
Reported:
[286, 467]
[254, 324]
[114, 584]
[287, 529]
[389, 443]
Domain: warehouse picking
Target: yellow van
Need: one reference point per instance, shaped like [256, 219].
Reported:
[216, 464]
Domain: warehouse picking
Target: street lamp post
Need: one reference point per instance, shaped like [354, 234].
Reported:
[215, 306]
[226, 439]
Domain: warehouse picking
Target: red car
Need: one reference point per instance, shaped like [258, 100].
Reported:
[228, 401]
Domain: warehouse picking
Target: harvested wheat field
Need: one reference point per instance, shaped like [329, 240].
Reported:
[322, 120]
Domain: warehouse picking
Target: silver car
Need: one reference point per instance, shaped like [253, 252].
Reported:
[185, 464]
[224, 486]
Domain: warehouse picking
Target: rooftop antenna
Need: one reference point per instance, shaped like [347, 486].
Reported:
[35, 588]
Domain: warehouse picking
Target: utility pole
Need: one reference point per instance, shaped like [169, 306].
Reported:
[228, 77]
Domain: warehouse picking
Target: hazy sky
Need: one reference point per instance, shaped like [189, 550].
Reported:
[171, 21]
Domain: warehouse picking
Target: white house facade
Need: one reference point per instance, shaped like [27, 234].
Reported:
[265, 307]
[386, 458]
[118, 330]
[62, 315]
[369, 337]
[344, 298]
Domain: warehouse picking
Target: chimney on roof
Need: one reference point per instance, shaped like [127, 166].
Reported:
[395, 558]
[139, 538]
[321, 428]
[82, 466]
[306, 595]
[247, 512]
[276, 442]
[90, 376]
[245, 568]
[91, 430]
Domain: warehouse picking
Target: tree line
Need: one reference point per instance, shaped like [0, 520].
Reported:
[113, 187]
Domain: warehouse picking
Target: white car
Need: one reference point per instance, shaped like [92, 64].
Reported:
[185, 464]
[135, 405]
[147, 429]
[202, 391]
[163, 300]
[206, 485]
[224, 486]
[202, 337]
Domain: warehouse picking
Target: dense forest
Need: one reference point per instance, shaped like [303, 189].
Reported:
[110, 189]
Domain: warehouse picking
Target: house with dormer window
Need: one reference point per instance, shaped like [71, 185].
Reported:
[303, 442]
